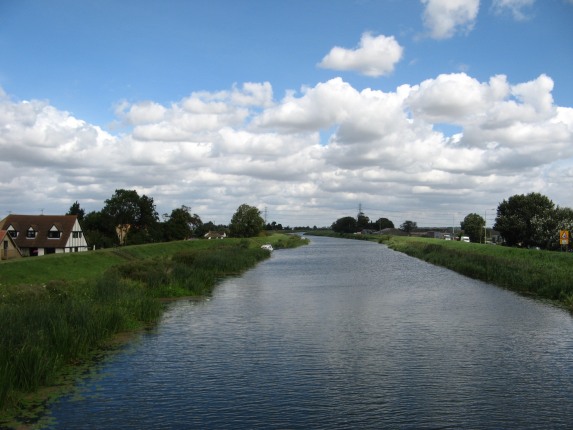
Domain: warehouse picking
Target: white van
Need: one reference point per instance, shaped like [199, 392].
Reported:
[465, 239]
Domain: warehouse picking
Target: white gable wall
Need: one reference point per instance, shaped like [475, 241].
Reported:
[76, 240]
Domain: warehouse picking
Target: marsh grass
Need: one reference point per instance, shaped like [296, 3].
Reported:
[49, 325]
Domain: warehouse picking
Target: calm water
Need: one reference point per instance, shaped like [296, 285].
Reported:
[339, 334]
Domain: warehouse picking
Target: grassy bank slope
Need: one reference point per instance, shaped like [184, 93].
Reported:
[55, 311]
[543, 274]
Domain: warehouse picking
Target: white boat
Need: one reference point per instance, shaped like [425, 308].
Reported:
[268, 247]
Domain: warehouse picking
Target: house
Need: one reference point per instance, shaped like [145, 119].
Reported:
[9, 249]
[45, 234]
[214, 235]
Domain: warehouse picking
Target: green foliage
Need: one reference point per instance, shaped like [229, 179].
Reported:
[246, 222]
[75, 209]
[527, 220]
[181, 224]
[382, 223]
[473, 226]
[408, 226]
[125, 207]
[292, 241]
[59, 323]
[362, 221]
[99, 230]
[346, 224]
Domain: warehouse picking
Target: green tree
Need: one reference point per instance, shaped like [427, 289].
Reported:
[408, 226]
[75, 209]
[473, 226]
[99, 230]
[246, 222]
[525, 219]
[362, 221]
[346, 224]
[126, 207]
[181, 224]
[382, 223]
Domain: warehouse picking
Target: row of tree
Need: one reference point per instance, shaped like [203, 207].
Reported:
[350, 224]
[128, 218]
[529, 220]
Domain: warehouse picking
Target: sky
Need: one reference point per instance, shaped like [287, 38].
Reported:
[420, 110]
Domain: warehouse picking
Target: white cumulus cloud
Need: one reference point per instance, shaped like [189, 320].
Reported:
[309, 155]
[444, 18]
[375, 56]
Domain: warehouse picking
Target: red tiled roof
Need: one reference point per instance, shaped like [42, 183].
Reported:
[42, 225]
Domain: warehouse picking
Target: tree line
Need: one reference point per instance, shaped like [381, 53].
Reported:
[350, 224]
[130, 219]
[527, 220]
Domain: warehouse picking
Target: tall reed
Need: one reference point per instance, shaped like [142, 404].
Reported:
[58, 324]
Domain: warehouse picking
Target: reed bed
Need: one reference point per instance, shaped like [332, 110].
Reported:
[46, 327]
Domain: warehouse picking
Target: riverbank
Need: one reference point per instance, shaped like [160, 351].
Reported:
[542, 274]
[63, 309]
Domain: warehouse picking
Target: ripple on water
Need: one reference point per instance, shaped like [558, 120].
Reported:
[339, 334]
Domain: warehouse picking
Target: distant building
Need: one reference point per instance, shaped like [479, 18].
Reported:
[214, 235]
[36, 235]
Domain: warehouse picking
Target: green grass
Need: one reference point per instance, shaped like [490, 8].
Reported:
[56, 310]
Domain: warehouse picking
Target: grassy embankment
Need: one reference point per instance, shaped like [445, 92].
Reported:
[542, 274]
[57, 310]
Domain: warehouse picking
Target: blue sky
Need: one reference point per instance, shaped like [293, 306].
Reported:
[424, 110]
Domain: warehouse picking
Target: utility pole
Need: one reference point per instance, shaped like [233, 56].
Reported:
[265, 215]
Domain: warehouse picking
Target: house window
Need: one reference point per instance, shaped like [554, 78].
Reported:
[76, 234]
[13, 234]
[31, 233]
[53, 234]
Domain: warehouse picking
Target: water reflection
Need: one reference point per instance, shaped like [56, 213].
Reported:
[340, 334]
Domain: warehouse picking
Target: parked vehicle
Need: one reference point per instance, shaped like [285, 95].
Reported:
[465, 239]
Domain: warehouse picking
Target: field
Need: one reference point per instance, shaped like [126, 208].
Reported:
[57, 311]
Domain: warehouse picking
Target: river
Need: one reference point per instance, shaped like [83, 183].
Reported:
[339, 334]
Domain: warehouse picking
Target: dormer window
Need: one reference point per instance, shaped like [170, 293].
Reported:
[12, 232]
[31, 233]
[54, 233]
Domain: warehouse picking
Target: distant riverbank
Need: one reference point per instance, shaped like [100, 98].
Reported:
[542, 274]
[58, 311]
